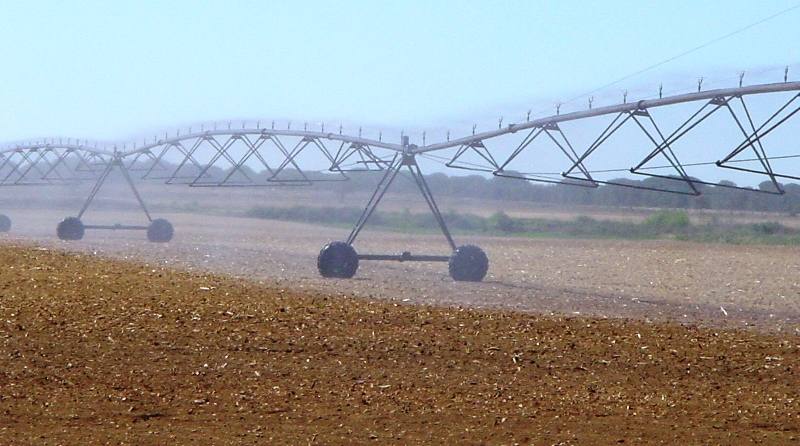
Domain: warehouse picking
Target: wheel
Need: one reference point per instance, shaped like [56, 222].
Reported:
[468, 263]
[5, 223]
[160, 231]
[337, 259]
[71, 228]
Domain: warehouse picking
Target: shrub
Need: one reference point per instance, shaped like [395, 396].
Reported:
[502, 222]
[668, 221]
[768, 228]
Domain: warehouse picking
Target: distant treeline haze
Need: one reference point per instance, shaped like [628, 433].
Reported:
[499, 188]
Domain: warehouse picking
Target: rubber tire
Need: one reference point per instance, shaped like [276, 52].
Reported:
[468, 263]
[5, 223]
[160, 231]
[71, 228]
[337, 259]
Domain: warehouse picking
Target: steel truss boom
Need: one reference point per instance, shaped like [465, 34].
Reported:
[350, 153]
[613, 109]
[639, 115]
[474, 140]
[222, 157]
[41, 164]
[267, 132]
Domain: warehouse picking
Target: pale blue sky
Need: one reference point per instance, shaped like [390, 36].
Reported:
[113, 69]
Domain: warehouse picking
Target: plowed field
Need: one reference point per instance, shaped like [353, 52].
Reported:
[96, 351]
[661, 280]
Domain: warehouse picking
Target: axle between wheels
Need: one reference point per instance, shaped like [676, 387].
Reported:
[467, 263]
[158, 231]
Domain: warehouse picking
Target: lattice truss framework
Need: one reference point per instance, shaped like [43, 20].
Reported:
[271, 157]
[280, 157]
[51, 162]
[659, 157]
[258, 158]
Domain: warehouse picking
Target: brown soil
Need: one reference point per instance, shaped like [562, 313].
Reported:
[108, 352]
[661, 280]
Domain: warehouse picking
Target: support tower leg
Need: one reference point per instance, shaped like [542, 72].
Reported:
[159, 230]
[340, 259]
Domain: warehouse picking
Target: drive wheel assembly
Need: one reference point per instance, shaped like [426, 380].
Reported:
[160, 231]
[71, 228]
[468, 263]
[337, 259]
[5, 223]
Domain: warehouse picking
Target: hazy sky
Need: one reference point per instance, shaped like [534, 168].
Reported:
[113, 69]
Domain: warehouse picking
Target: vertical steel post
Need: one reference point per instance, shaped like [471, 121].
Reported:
[408, 159]
[116, 161]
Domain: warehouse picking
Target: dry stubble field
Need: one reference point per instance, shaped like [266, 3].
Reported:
[710, 284]
[108, 351]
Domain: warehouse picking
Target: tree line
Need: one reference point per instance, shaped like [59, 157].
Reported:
[718, 196]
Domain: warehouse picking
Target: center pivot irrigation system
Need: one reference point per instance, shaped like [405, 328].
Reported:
[226, 158]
